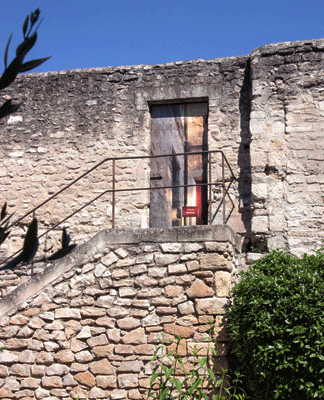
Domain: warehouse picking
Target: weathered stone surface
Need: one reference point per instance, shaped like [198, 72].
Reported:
[109, 259]
[127, 292]
[171, 247]
[137, 336]
[16, 344]
[146, 349]
[4, 372]
[100, 340]
[214, 261]
[28, 357]
[118, 394]
[126, 381]
[113, 335]
[92, 312]
[52, 382]
[177, 330]
[38, 370]
[117, 312]
[20, 370]
[64, 356]
[166, 259]
[103, 351]
[85, 333]
[186, 308]
[212, 306]
[42, 393]
[83, 356]
[57, 369]
[77, 345]
[97, 393]
[199, 290]
[68, 380]
[222, 284]
[67, 313]
[130, 366]
[128, 323]
[85, 378]
[102, 367]
[8, 357]
[30, 383]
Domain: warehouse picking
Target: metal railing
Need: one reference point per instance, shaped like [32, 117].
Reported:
[223, 182]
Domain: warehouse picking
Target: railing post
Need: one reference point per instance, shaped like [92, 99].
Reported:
[113, 192]
[223, 179]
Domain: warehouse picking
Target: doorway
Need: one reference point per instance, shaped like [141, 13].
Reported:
[178, 128]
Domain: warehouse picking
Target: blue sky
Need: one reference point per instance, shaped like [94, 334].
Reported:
[101, 33]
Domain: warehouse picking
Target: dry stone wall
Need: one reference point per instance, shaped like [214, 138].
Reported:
[88, 327]
[265, 111]
[287, 147]
[71, 120]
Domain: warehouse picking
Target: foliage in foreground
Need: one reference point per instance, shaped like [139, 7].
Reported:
[17, 65]
[276, 326]
[171, 379]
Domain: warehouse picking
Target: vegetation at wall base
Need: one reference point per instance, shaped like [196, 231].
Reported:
[174, 378]
[276, 326]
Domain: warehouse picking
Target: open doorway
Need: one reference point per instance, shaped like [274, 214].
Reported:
[178, 128]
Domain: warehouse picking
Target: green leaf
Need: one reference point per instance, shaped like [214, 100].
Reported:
[153, 377]
[3, 211]
[25, 26]
[30, 243]
[27, 66]
[25, 46]
[6, 51]
[178, 385]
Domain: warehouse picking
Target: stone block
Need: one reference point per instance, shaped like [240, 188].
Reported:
[214, 262]
[102, 367]
[186, 308]
[199, 290]
[85, 378]
[52, 382]
[177, 330]
[106, 382]
[222, 284]
[130, 366]
[30, 383]
[137, 336]
[211, 306]
[67, 313]
[260, 224]
[126, 381]
[128, 323]
[171, 247]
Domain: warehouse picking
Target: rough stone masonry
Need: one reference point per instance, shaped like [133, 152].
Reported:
[265, 111]
[88, 326]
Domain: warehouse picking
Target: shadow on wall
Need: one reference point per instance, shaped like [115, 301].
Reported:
[244, 157]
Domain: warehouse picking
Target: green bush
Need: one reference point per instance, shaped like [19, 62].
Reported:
[276, 325]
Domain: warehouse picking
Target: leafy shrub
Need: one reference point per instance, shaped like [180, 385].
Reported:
[174, 378]
[276, 326]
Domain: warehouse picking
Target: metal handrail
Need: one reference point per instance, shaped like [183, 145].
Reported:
[114, 190]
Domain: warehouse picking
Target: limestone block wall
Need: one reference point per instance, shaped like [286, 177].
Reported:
[88, 326]
[70, 120]
[287, 147]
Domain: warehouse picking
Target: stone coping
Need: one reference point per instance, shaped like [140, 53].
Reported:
[86, 252]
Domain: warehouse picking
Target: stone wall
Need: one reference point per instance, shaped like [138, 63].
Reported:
[89, 325]
[265, 111]
[287, 147]
[70, 120]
